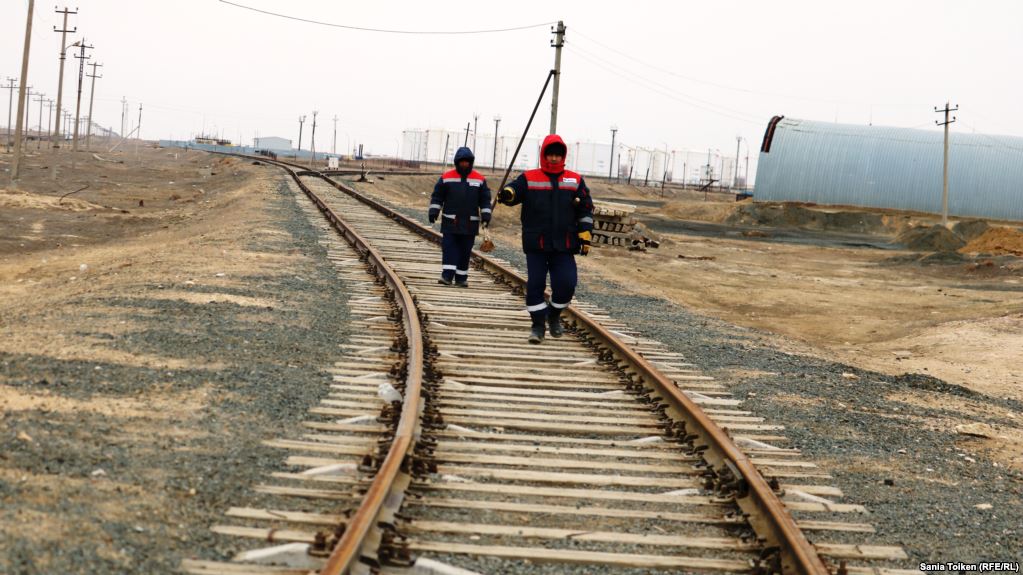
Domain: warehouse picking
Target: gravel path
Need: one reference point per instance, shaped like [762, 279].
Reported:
[889, 441]
[128, 491]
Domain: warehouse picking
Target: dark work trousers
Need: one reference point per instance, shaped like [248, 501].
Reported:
[561, 267]
[456, 250]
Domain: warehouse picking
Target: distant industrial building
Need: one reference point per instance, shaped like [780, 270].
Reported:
[895, 168]
[438, 146]
[272, 143]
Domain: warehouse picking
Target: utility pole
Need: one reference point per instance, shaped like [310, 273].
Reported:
[39, 132]
[735, 176]
[10, 100]
[664, 176]
[124, 108]
[28, 105]
[497, 124]
[466, 143]
[610, 165]
[557, 43]
[312, 139]
[78, 106]
[301, 120]
[944, 177]
[138, 132]
[333, 146]
[60, 78]
[49, 119]
[92, 94]
[475, 132]
[67, 125]
[21, 91]
[745, 179]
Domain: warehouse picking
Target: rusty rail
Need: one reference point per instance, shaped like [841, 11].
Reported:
[350, 546]
[787, 549]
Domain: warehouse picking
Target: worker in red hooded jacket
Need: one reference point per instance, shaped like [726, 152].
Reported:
[557, 223]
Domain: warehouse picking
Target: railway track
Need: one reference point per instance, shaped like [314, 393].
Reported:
[599, 452]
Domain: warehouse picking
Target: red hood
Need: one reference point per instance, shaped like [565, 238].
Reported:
[544, 164]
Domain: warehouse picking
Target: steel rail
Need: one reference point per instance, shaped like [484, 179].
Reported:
[786, 547]
[350, 545]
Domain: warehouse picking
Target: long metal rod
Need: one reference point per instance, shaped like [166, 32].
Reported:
[511, 164]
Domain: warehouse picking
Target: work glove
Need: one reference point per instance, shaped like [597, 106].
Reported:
[506, 195]
[584, 243]
[433, 216]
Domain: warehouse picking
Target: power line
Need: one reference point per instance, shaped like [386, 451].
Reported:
[384, 30]
[666, 91]
[708, 82]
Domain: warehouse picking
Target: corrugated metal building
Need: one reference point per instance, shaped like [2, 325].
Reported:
[896, 168]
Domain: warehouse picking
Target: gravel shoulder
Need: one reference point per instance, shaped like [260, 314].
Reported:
[136, 390]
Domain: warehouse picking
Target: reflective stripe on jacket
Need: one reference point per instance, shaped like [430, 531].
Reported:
[461, 202]
[555, 208]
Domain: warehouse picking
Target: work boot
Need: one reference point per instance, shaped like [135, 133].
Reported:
[537, 332]
[554, 321]
[462, 283]
[444, 280]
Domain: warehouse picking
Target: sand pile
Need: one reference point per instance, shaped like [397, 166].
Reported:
[996, 241]
[790, 215]
[930, 239]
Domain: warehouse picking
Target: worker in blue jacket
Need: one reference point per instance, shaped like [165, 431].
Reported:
[557, 223]
[461, 199]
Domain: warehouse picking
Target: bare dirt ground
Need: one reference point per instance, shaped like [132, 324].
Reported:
[146, 351]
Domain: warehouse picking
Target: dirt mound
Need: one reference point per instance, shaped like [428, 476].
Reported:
[716, 212]
[930, 239]
[797, 216]
[997, 241]
[970, 229]
[20, 199]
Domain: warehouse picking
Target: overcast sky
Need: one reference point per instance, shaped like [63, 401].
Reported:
[689, 75]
